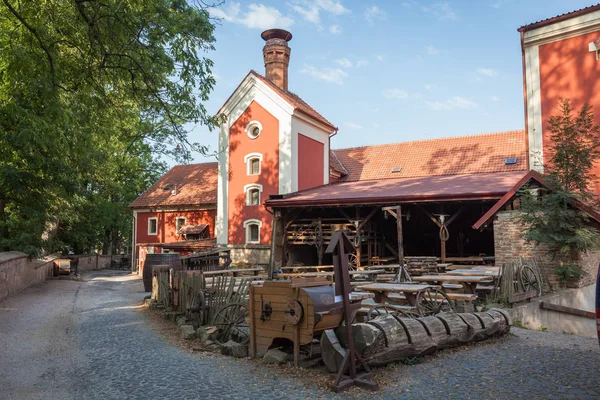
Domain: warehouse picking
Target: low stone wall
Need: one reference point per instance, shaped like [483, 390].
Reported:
[95, 261]
[250, 254]
[17, 272]
[531, 316]
[509, 246]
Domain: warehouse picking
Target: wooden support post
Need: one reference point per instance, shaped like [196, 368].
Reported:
[400, 236]
[359, 245]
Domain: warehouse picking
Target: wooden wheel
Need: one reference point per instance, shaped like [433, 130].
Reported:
[230, 320]
[352, 261]
[529, 280]
[434, 301]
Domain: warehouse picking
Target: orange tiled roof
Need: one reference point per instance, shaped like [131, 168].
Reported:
[335, 163]
[446, 156]
[294, 100]
[196, 185]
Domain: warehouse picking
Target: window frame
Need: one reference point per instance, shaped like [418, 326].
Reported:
[177, 226]
[250, 127]
[248, 161]
[248, 224]
[155, 233]
[248, 189]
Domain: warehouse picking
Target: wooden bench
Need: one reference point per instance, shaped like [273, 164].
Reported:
[452, 286]
[451, 296]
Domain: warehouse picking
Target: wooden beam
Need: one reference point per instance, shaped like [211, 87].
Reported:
[456, 214]
[431, 216]
[400, 237]
[567, 310]
[391, 249]
[391, 210]
[515, 298]
[367, 218]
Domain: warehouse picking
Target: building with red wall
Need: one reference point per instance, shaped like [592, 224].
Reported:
[560, 60]
[277, 146]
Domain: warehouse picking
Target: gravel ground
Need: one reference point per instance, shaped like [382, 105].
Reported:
[92, 339]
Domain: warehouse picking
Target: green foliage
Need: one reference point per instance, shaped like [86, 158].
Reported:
[568, 272]
[90, 93]
[548, 215]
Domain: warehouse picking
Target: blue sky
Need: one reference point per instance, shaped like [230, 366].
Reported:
[387, 71]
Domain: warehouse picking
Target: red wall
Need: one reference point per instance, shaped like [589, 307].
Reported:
[569, 70]
[267, 143]
[310, 162]
[166, 224]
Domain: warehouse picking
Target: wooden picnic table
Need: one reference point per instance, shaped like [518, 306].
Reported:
[371, 273]
[317, 268]
[234, 271]
[475, 272]
[469, 282]
[412, 292]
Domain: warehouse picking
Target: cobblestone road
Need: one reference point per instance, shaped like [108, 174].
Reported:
[90, 340]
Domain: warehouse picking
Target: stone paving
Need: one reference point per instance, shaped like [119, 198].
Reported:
[114, 354]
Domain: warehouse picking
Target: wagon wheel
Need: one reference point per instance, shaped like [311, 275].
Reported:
[434, 301]
[352, 261]
[231, 319]
[529, 280]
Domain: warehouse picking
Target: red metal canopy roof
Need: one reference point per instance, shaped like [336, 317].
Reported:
[424, 189]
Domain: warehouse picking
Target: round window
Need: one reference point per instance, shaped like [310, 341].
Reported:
[253, 129]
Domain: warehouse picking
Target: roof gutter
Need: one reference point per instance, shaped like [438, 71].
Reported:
[382, 200]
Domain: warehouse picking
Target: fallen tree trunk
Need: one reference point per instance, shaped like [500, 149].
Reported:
[389, 338]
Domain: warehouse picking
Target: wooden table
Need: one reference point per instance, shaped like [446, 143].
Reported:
[317, 268]
[469, 282]
[475, 272]
[234, 272]
[412, 292]
[372, 274]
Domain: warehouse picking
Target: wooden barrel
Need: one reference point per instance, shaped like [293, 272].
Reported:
[171, 259]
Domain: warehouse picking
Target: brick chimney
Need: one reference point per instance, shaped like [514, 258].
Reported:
[277, 56]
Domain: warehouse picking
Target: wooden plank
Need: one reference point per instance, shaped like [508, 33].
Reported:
[567, 310]
[515, 298]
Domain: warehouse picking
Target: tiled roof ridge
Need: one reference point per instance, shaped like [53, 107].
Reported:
[559, 17]
[216, 163]
[418, 176]
[522, 131]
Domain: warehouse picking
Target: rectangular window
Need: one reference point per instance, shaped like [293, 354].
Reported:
[153, 226]
[253, 233]
[255, 166]
[179, 222]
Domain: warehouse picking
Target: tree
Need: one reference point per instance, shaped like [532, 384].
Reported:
[549, 215]
[91, 92]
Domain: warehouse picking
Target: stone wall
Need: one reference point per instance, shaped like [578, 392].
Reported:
[18, 272]
[509, 246]
[94, 261]
[250, 254]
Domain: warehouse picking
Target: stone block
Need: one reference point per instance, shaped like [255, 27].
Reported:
[181, 321]
[276, 356]
[187, 332]
[234, 349]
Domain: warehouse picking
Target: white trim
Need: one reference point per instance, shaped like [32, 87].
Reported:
[534, 109]
[571, 27]
[250, 157]
[184, 223]
[134, 242]
[251, 125]
[247, 224]
[316, 124]
[247, 189]
[151, 233]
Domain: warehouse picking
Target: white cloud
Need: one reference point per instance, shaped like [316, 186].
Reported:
[432, 51]
[311, 10]
[336, 29]
[454, 102]
[430, 86]
[376, 125]
[441, 10]
[334, 75]
[495, 98]
[394, 93]
[374, 13]
[487, 71]
[379, 57]
[344, 63]
[498, 4]
[352, 125]
[256, 16]
[361, 63]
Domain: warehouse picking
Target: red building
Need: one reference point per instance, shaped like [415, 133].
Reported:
[278, 148]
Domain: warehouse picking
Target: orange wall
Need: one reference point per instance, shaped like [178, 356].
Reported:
[166, 224]
[569, 70]
[310, 162]
[267, 143]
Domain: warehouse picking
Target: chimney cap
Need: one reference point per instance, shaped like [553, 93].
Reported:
[276, 34]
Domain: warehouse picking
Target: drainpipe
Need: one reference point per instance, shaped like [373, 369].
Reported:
[523, 61]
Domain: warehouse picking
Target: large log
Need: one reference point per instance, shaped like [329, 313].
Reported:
[389, 338]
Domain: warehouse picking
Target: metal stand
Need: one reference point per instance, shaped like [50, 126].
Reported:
[337, 247]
